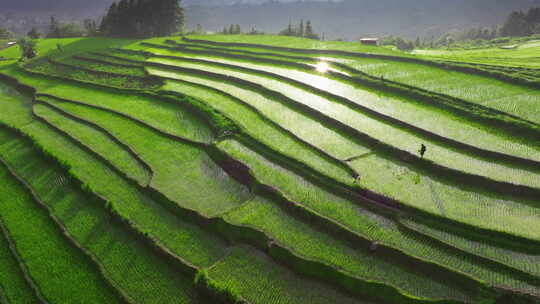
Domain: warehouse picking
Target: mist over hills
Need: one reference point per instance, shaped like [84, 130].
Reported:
[348, 19]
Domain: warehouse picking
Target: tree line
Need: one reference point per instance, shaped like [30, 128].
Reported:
[142, 18]
[519, 23]
[302, 30]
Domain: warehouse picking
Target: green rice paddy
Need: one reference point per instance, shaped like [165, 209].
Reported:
[204, 171]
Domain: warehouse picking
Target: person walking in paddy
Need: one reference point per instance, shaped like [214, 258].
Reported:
[423, 150]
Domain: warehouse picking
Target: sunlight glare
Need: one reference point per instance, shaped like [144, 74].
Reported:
[322, 67]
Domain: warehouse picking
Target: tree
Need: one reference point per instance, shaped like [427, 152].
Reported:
[5, 34]
[515, 25]
[301, 28]
[417, 43]
[27, 48]
[90, 27]
[237, 29]
[143, 18]
[54, 28]
[309, 33]
[34, 33]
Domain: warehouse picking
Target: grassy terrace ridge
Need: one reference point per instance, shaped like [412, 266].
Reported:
[256, 126]
[168, 116]
[524, 55]
[75, 276]
[347, 63]
[315, 244]
[241, 271]
[378, 184]
[84, 217]
[64, 70]
[495, 142]
[172, 163]
[450, 158]
[98, 64]
[234, 173]
[120, 156]
[186, 241]
[296, 43]
[130, 128]
[103, 120]
[474, 113]
[368, 224]
[528, 262]
[13, 285]
[275, 69]
[464, 61]
[369, 71]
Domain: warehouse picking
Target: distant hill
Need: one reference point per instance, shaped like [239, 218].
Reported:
[347, 19]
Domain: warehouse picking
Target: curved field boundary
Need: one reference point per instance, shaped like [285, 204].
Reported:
[501, 187]
[485, 154]
[451, 104]
[67, 241]
[411, 226]
[302, 164]
[519, 81]
[102, 230]
[105, 62]
[291, 134]
[126, 147]
[219, 123]
[237, 233]
[487, 232]
[27, 277]
[99, 75]
[378, 199]
[509, 123]
[66, 234]
[156, 245]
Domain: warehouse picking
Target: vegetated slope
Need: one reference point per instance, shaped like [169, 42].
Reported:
[191, 172]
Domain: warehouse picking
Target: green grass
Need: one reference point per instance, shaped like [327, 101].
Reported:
[85, 61]
[525, 55]
[170, 117]
[13, 286]
[255, 125]
[363, 221]
[512, 99]
[439, 123]
[461, 202]
[99, 142]
[278, 110]
[180, 170]
[61, 271]
[46, 67]
[296, 42]
[144, 276]
[317, 245]
[148, 215]
[48, 47]
[526, 262]
[251, 274]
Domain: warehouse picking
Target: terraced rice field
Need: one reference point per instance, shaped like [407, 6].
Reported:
[260, 169]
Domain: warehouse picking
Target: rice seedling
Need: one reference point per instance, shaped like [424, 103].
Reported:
[144, 276]
[62, 272]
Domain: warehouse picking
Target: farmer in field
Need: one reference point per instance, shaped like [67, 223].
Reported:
[423, 150]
